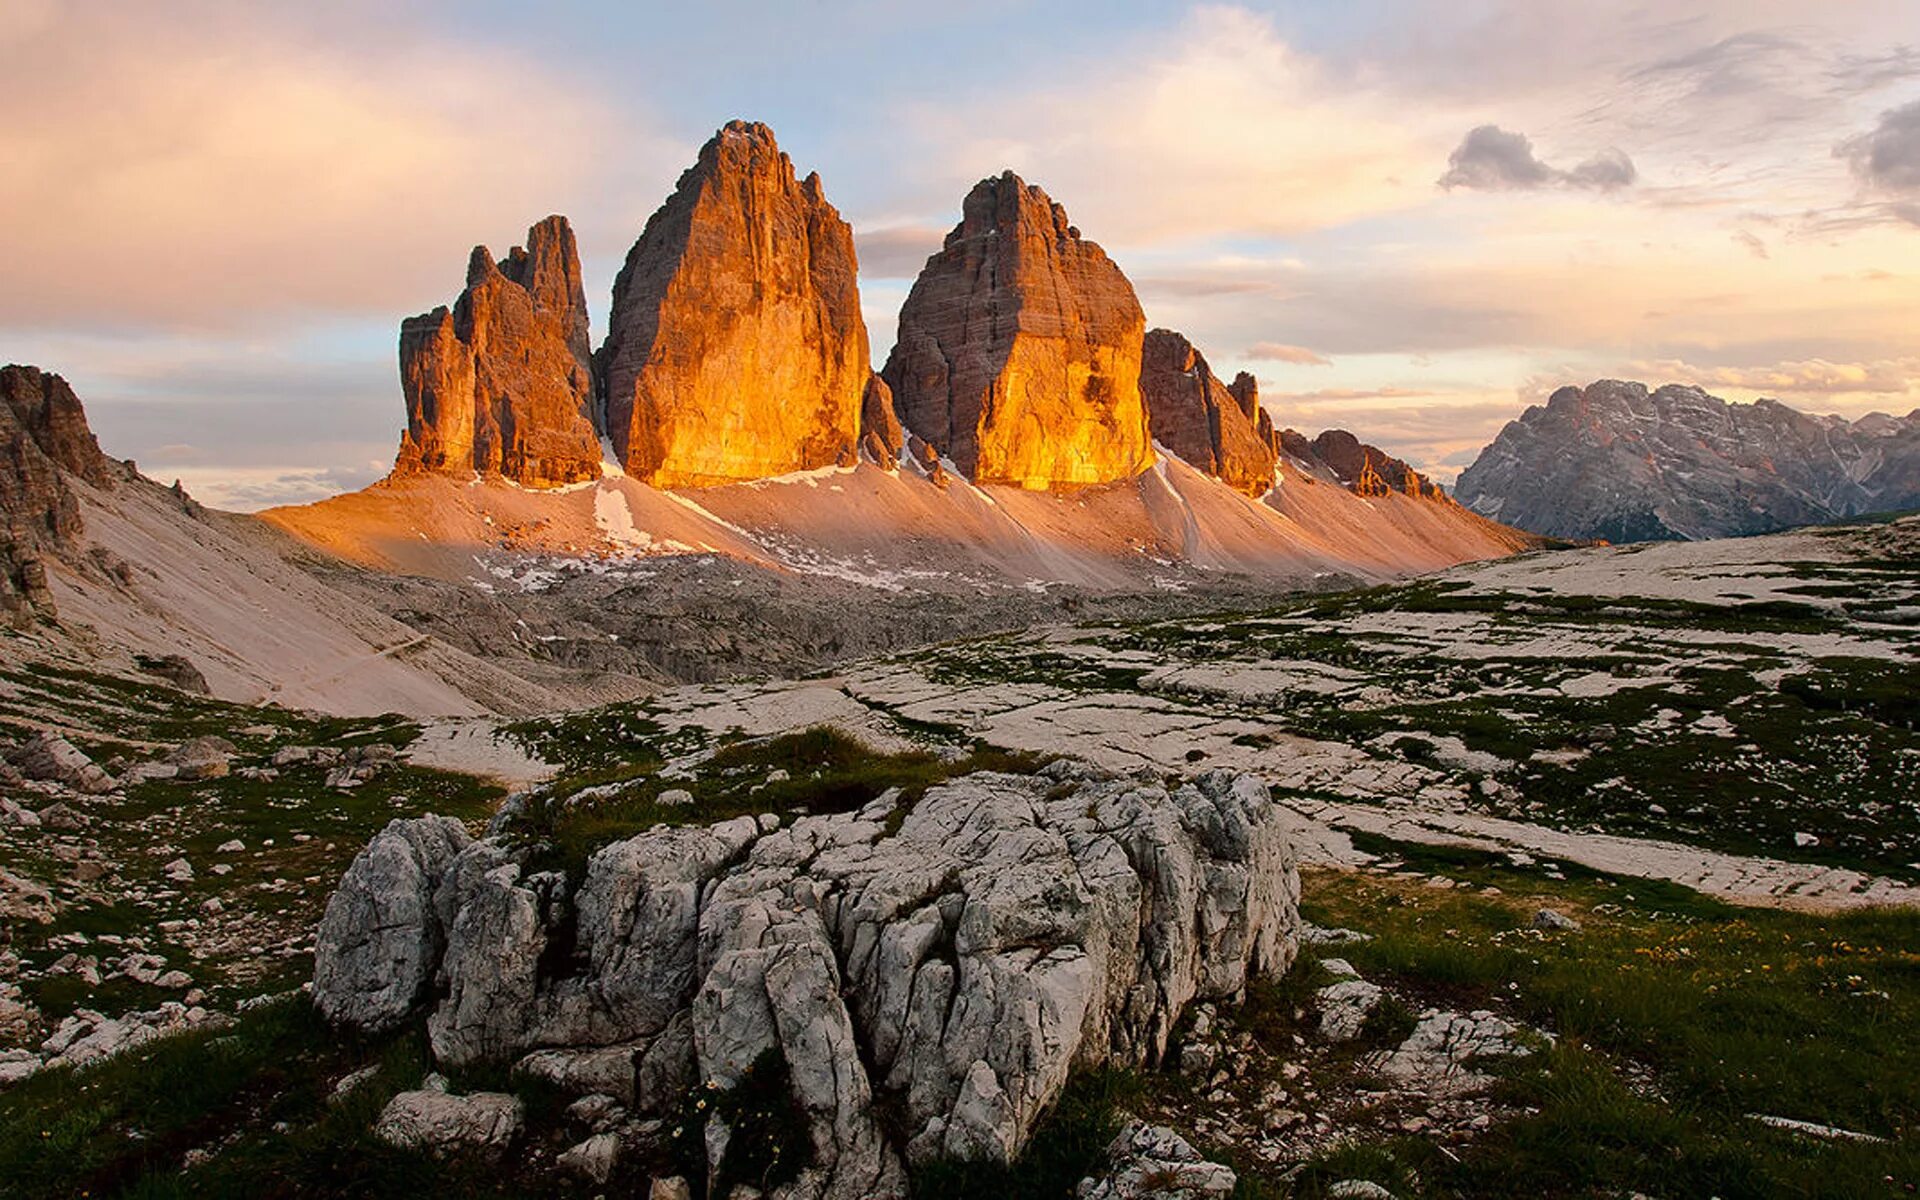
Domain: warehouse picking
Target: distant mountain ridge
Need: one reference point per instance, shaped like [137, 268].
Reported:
[1618, 462]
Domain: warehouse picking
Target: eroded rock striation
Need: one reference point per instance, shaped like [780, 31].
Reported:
[1616, 461]
[1019, 349]
[1214, 426]
[950, 964]
[736, 349]
[502, 383]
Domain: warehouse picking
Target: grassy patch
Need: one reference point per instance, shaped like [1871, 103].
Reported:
[817, 770]
[1677, 1018]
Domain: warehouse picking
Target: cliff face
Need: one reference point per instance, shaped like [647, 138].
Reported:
[1618, 462]
[1209, 424]
[503, 383]
[736, 348]
[1019, 348]
[44, 438]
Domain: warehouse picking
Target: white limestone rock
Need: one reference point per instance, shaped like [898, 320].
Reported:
[436, 1121]
[380, 941]
[1152, 1162]
[959, 966]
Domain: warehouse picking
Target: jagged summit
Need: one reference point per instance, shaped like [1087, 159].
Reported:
[1209, 424]
[736, 348]
[1019, 349]
[502, 383]
[1620, 462]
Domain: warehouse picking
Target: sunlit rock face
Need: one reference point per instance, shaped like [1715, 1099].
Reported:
[502, 384]
[736, 348]
[1207, 423]
[1019, 350]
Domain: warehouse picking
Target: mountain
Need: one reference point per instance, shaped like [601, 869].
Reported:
[1192, 414]
[1614, 461]
[502, 384]
[736, 349]
[773, 506]
[1019, 348]
[110, 571]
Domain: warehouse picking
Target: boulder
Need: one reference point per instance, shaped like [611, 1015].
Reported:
[1018, 356]
[380, 939]
[176, 669]
[502, 383]
[202, 758]
[1152, 1162]
[48, 756]
[1195, 416]
[593, 1159]
[952, 964]
[736, 349]
[435, 1120]
[1438, 1056]
[1345, 1006]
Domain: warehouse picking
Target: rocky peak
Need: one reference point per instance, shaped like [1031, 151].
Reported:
[736, 349]
[44, 444]
[1195, 416]
[1617, 461]
[1368, 470]
[42, 409]
[502, 383]
[1019, 350]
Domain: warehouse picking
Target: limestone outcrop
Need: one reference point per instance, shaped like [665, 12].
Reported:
[1213, 426]
[736, 349]
[949, 964]
[1019, 349]
[502, 383]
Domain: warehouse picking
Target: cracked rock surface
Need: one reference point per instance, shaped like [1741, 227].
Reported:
[956, 960]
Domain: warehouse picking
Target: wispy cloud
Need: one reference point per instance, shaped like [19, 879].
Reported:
[1281, 352]
[217, 165]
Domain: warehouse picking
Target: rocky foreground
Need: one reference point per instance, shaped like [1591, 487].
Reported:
[923, 977]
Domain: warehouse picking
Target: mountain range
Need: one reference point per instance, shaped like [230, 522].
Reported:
[1617, 462]
[724, 486]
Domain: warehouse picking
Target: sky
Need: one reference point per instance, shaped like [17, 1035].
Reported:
[1409, 218]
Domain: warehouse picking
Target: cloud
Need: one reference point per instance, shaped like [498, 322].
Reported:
[1492, 159]
[1751, 241]
[1219, 126]
[1814, 376]
[1281, 352]
[1887, 158]
[240, 489]
[897, 252]
[209, 165]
